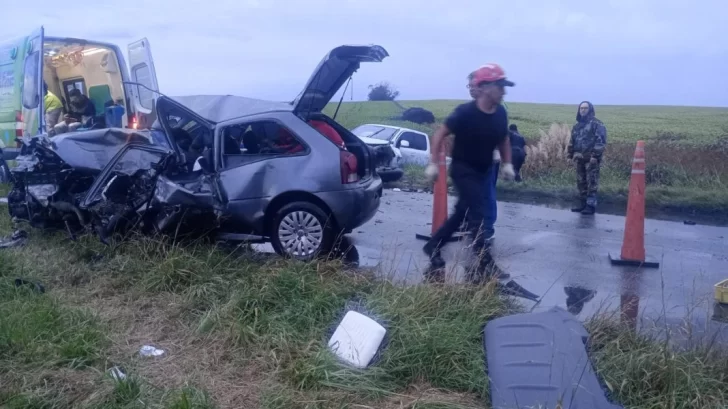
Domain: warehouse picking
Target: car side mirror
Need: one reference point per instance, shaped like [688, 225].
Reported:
[404, 144]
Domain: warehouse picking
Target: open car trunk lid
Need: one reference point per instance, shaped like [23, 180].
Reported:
[331, 73]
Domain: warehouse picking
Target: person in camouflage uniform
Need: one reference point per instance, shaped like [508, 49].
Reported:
[586, 148]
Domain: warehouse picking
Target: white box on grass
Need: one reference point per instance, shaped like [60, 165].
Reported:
[357, 339]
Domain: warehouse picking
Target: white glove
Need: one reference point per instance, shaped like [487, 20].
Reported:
[432, 172]
[496, 156]
[507, 171]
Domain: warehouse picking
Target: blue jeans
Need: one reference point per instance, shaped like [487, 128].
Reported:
[489, 199]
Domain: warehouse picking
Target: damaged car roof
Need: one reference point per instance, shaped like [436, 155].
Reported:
[221, 108]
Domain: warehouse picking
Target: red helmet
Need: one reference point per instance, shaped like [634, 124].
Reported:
[490, 73]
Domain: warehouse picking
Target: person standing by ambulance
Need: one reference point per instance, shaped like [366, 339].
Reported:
[478, 126]
[53, 108]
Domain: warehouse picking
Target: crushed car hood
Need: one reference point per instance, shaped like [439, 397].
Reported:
[94, 149]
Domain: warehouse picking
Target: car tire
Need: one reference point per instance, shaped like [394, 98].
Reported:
[390, 175]
[302, 231]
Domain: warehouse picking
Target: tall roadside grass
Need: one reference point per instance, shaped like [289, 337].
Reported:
[244, 330]
[682, 180]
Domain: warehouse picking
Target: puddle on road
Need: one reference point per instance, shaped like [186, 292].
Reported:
[622, 300]
[702, 322]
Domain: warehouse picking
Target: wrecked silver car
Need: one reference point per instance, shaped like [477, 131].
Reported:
[227, 167]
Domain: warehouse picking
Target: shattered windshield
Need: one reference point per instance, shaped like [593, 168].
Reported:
[373, 131]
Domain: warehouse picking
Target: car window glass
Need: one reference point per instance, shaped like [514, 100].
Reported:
[416, 141]
[76, 83]
[374, 131]
[261, 138]
[30, 82]
[189, 135]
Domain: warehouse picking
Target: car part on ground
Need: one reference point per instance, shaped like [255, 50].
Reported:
[33, 285]
[540, 360]
[213, 166]
[17, 239]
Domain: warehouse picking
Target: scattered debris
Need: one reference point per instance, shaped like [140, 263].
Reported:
[378, 221]
[689, 222]
[396, 189]
[514, 289]
[357, 339]
[17, 239]
[535, 359]
[37, 287]
[608, 230]
[148, 350]
[345, 251]
[576, 297]
[117, 373]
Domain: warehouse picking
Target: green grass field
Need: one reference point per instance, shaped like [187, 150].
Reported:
[245, 331]
[686, 125]
[241, 331]
[686, 149]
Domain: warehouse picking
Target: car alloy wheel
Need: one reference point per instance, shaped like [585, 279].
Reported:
[301, 234]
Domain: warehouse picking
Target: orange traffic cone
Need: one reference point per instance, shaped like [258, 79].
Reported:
[439, 200]
[633, 245]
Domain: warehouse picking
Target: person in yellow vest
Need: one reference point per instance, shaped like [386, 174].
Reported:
[53, 108]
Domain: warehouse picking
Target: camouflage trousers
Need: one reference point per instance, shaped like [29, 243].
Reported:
[587, 180]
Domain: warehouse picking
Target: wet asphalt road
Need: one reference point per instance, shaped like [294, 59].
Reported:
[554, 252]
[547, 250]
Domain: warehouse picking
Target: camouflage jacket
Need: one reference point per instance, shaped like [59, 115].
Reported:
[588, 138]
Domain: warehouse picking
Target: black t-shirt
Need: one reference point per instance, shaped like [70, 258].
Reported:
[477, 134]
[517, 140]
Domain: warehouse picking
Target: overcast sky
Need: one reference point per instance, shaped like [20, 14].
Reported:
[665, 52]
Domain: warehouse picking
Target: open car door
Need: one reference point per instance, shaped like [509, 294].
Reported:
[335, 68]
[32, 88]
[141, 67]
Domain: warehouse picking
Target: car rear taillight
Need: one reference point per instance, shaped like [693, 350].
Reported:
[348, 167]
[133, 122]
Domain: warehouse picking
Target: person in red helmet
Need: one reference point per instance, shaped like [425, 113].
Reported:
[479, 127]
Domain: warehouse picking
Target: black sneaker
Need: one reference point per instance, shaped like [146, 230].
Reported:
[433, 253]
[580, 207]
[486, 269]
[589, 210]
[435, 274]
[493, 271]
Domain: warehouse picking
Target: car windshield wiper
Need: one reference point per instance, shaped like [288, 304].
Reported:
[379, 131]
